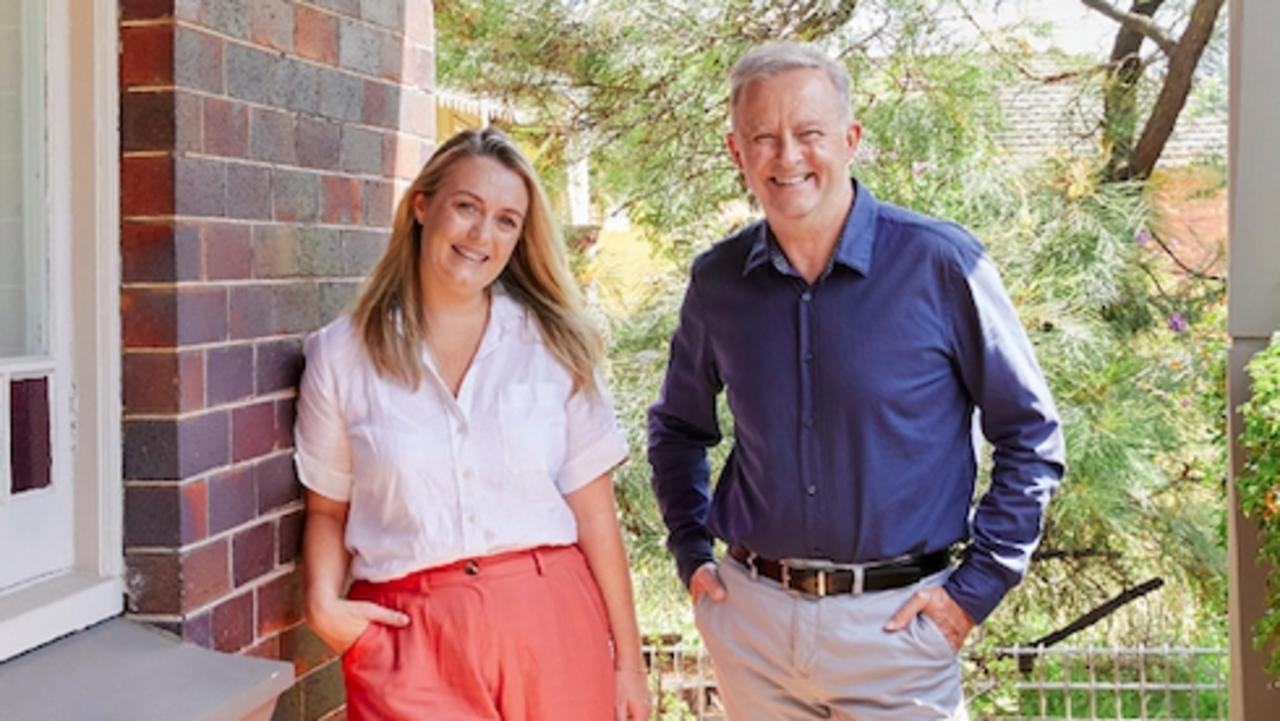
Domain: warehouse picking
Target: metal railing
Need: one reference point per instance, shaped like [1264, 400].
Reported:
[1155, 683]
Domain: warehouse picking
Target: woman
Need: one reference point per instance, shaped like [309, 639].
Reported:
[456, 445]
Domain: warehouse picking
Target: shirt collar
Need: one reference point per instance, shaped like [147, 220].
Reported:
[853, 247]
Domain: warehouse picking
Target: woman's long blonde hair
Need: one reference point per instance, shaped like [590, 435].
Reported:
[388, 312]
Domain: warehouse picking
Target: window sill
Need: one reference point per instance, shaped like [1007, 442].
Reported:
[123, 670]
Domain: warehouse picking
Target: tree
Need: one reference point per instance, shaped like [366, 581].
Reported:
[1130, 159]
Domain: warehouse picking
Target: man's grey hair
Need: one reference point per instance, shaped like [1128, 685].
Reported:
[765, 61]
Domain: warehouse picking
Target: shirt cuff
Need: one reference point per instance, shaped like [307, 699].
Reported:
[325, 481]
[600, 457]
[976, 590]
[691, 554]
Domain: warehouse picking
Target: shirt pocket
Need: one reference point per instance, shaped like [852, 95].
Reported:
[531, 420]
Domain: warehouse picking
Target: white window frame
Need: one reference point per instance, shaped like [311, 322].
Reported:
[83, 223]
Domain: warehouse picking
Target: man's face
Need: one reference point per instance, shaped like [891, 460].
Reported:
[793, 142]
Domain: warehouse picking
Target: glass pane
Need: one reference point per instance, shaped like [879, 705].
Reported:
[29, 447]
[23, 251]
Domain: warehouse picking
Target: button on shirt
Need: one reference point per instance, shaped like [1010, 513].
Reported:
[431, 479]
[853, 401]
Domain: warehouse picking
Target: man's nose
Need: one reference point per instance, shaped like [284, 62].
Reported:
[788, 149]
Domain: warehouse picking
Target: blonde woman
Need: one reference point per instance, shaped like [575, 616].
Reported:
[456, 445]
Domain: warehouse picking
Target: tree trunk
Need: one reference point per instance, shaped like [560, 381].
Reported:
[1120, 101]
[1173, 95]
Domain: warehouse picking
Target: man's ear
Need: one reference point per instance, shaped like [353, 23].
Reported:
[731, 142]
[853, 136]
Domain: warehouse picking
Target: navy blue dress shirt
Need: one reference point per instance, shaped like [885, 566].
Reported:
[853, 402]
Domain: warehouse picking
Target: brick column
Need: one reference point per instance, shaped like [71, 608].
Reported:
[264, 143]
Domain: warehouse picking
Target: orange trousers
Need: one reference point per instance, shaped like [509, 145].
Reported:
[519, 636]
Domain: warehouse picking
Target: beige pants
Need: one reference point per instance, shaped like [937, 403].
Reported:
[780, 656]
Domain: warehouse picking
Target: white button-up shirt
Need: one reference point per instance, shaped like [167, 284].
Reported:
[430, 478]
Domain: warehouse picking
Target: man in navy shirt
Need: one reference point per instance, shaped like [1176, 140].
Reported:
[855, 340]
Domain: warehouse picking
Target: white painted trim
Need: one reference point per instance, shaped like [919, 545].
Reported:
[84, 162]
[52, 608]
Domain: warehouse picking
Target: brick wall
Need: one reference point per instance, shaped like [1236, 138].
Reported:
[263, 143]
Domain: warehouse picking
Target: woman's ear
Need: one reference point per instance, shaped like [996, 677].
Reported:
[420, 201]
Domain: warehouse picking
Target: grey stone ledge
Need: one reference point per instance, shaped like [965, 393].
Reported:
[123, 671]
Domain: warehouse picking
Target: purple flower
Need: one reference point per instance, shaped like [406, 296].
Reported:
[1184, 402]
[1177, 323]
[1141, 237]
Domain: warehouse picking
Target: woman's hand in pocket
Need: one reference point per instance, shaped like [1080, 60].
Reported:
[340, 622]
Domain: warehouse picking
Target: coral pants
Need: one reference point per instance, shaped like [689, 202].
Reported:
[519, 636]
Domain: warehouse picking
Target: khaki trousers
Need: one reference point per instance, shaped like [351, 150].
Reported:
[780, 656]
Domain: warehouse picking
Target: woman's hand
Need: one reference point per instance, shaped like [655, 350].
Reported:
[339, 622]
[635, 702]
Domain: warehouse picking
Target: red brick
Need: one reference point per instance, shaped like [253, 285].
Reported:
[248, 192]
[146, 186]
[227, 249]
[315, 34]
[198, 60]
[271, 23]
[305, 649]
[317, 143]
[342, 201]
[198, 629]
[286, 412]
[147, 120]
[200, 186]
[232, 499]
[203, 443]
[253, 552]
[233, 623]
[280, 603]
[146, 55]
[205, 574]
[279, 364]
[195, 511]
[157, 252]
[268, 649]
[289, 537]
[229, 374]
[150, 382]
[153, 582]
[202, 315]
[152, 515]
[419, 25]
[145, 9]
[253, 430]
[226, 128]
[380, 106]
[379, 203]
[276, 483]
[165, 515]
[148, 318]
[250, 311]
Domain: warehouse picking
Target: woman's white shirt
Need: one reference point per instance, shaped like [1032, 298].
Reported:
[431, 479]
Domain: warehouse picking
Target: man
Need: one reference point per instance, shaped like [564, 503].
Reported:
[855, 339]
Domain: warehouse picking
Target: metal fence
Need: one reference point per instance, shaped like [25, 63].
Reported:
[1156, 683]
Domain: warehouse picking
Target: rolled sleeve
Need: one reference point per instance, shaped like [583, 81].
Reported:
[596, 443]
[322, 453]
[1018, 418]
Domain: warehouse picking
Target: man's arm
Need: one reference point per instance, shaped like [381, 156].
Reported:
[998, 368]
[682, 425]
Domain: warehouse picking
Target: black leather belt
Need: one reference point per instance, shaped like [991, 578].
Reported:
[823, 580]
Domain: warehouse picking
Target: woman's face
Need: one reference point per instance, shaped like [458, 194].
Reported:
[470, 227]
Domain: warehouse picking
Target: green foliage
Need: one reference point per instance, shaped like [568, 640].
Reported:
[1259, 484]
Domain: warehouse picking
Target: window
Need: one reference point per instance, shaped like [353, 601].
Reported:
[60, 551]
